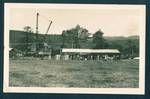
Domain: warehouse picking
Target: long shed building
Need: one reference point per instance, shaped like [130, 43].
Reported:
[90, 54]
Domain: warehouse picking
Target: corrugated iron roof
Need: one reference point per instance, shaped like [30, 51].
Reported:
[91, 50]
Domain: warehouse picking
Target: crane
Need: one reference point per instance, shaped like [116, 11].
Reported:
[50, 23]
[44, 50]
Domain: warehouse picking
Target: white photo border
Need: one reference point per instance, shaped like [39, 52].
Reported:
[138, 91]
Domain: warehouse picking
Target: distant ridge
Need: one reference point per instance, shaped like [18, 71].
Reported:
[121, 37]
[18, 32]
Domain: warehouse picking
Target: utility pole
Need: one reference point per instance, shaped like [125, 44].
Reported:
[37, 41]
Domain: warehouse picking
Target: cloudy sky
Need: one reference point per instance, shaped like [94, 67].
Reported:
[112, 20]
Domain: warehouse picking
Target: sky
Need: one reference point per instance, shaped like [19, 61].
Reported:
[113, 21]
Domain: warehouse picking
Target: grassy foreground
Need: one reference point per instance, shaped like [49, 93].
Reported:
[90, 74]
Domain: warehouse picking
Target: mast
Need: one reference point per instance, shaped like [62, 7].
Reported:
[37, 42]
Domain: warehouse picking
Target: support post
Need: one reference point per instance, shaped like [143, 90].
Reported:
[37, 42]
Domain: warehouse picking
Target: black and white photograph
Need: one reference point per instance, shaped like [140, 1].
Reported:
[74, 48]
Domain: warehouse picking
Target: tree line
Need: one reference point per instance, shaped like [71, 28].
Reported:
[79, 37]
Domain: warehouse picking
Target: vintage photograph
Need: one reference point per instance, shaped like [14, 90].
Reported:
[74, 47]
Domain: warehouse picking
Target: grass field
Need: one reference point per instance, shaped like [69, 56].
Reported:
[90, 74]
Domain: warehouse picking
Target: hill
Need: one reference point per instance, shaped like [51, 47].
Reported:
[20, 40]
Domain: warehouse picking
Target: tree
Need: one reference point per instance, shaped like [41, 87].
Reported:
[28, 29]
[131, 48]
[74, 36]
[29, 38]
[98, 40]
[63, 38]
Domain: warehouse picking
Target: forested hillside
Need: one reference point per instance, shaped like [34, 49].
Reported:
[126, 45]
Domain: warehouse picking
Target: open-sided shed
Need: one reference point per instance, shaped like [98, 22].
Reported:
[91, 54]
